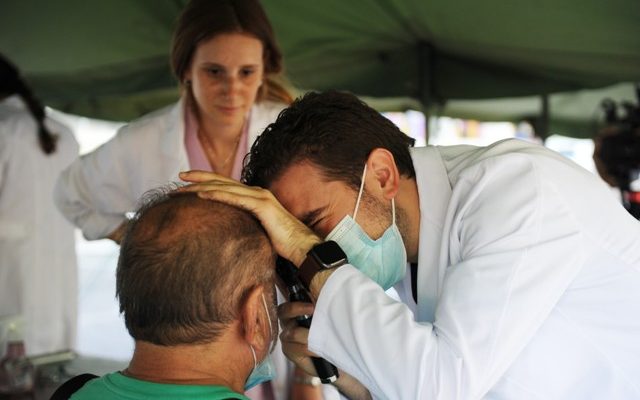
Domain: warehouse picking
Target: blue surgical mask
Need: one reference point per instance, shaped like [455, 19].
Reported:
[383, 260]
[265, 370]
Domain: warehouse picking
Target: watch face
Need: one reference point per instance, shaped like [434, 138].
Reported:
[330, 254]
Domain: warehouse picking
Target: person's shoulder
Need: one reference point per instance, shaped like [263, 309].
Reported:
[506, 156]
[495, 155]
[93, 387]
[267, 110]
[17, 130]
[150, 130]
[499, 162]
[116, 386]
[58, 127]
[271, 105]
[156, 120]
[13, 120]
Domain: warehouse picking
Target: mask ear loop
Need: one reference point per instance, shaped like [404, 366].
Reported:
[355, 211]
[253, 351]
[255, 359]
[393, 211]
[266, 309]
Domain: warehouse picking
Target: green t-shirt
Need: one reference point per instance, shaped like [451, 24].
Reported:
[116, 386]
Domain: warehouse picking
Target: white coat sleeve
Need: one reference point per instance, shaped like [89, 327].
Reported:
[513, 249]
[94, 192]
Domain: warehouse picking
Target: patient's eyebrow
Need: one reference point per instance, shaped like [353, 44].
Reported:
[310, 218]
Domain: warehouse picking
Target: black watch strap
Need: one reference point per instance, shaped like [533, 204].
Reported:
[321, 256]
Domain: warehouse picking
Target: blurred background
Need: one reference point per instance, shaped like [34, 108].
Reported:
[463, 72]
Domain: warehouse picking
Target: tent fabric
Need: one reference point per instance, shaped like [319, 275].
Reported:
[110, 59]
[99, 59]
[577, 113]
[467, 49]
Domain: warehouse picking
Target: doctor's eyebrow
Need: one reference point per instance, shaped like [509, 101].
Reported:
[211, 64]
[310, 218]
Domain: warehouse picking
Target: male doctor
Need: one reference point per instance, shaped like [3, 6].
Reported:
[518, 271]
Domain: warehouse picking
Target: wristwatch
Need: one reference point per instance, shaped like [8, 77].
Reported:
[321, 256]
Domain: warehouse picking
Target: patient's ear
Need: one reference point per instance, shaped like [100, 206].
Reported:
[254, 318]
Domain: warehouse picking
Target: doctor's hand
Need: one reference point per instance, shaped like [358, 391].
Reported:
[290, 237]
[295, 339]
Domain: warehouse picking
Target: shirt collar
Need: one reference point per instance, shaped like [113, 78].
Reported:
[434, 191]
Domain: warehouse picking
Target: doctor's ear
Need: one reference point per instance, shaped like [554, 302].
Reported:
[382, 173]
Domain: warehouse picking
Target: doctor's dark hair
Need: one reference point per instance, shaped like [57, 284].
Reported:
[201, 20]
[334, 131]
[12, 83]
[186, 266]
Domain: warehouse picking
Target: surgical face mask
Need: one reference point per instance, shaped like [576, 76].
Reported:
[383, 260]
[265, 370]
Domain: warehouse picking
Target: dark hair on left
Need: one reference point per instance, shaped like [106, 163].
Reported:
[12, 83]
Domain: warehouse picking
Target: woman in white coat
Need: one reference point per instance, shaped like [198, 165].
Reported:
[225, 56]
[38, 276]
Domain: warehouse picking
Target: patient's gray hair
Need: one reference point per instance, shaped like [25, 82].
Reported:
[186, 265]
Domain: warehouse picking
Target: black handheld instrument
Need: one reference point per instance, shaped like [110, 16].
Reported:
[327, 372]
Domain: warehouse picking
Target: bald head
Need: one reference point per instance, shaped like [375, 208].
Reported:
[185, 266]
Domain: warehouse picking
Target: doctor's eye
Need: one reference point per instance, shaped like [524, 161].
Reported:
[247, 72]
[215, 71]
[315, 225]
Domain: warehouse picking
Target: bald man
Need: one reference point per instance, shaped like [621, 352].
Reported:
[195, 285]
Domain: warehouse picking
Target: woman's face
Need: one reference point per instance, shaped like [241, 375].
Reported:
[225, 73]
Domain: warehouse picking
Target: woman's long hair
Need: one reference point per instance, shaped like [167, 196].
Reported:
[12, 83]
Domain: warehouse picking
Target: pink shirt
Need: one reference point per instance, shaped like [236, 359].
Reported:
[195, 153]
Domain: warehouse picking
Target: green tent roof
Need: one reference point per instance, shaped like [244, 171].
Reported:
[461, 58]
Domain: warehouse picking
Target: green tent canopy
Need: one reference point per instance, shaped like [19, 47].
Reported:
[490, 60]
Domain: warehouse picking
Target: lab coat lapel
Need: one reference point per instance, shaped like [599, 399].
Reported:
[434, 190]
[172, 144]
[256, 121]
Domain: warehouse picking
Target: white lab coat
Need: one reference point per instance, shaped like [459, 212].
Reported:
[98, 189]
[38, 271]
[528, 287]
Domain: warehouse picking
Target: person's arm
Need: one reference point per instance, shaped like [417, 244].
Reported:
[349, 387]
[294, 341]
[304, 387]
[93, 192]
